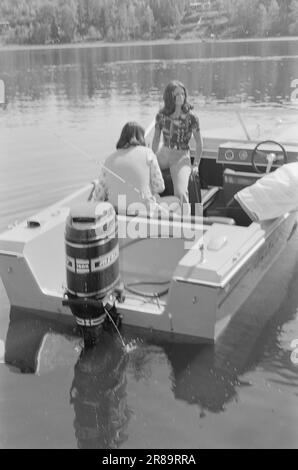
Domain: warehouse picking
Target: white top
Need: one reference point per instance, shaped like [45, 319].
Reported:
[132, 172]
[273, 195]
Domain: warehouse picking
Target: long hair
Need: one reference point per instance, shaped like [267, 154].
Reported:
[169, 98]
[132, 134]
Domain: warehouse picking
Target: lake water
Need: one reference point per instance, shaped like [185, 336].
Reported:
[65, 110]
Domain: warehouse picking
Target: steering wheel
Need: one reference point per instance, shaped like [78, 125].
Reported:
[271, 157]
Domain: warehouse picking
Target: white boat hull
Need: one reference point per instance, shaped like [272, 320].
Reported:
[207, 287]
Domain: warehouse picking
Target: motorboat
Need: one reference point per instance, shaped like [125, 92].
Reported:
[184, 278]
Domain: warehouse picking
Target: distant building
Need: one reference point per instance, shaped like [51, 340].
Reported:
[201, 6]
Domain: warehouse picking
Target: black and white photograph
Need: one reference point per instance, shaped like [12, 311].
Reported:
[148, 227]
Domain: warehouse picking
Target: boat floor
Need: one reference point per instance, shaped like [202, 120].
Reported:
[151, 274]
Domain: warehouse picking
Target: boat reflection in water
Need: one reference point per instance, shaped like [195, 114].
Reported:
[209, 376]
[25, 339]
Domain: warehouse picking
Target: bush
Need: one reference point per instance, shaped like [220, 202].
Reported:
[93, 34]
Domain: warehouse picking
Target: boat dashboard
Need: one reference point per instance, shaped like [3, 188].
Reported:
[242, 153]
[235, 165]
[244, 156]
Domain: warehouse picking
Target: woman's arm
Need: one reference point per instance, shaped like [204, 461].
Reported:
[199, 147]
[156, 139]
[156, 179]
[195, 125]
[159, 118]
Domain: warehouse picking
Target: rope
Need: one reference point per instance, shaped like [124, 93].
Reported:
[150, 295]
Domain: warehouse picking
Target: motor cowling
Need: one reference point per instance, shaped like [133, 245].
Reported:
[92, 263]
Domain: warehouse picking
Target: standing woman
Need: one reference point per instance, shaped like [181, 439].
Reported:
[177, 123]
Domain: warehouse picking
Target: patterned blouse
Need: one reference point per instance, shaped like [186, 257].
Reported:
[177, 132]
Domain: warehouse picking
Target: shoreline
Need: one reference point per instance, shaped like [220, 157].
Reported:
[157, 42]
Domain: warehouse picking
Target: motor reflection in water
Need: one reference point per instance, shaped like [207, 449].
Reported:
[98, 395]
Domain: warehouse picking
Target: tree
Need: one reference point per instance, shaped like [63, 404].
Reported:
[82, 16]
[148, 21]
[45, 25]
[44, 21]
[132, 21]
[94, 13]
[170, 14]
[284, 14]
[273, 20]
[247, 17]
[293, 27]
[67, 21]
[108, 18]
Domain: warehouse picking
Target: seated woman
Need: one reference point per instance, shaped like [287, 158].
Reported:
[131, 178]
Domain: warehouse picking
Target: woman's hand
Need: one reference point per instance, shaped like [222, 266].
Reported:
[195, 168]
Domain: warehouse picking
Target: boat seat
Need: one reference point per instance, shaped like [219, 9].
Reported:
[208, 195]
[233, 181]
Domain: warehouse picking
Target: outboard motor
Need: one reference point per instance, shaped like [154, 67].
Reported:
[92, 267]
